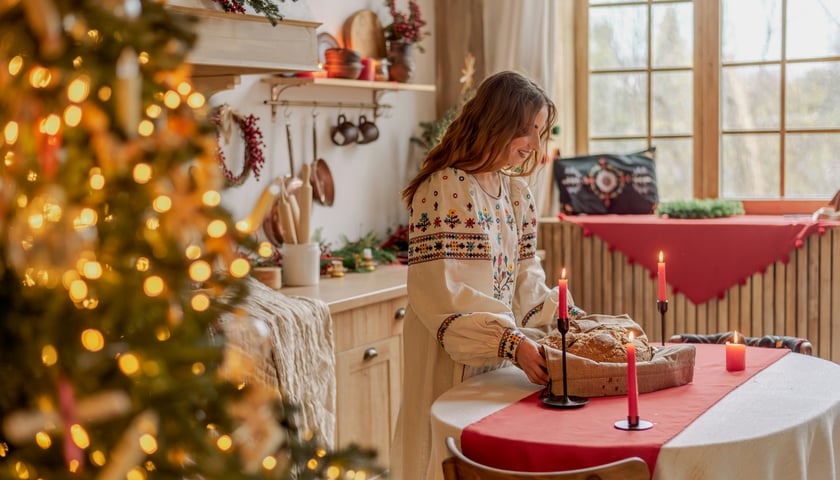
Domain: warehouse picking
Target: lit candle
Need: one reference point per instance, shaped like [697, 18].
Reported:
[632, 384]
[562, 307]
[661, 277]
[736, 354]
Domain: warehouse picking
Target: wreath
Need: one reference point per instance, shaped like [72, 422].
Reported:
[223, 118]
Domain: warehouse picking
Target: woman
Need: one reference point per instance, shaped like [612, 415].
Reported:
[474, 282]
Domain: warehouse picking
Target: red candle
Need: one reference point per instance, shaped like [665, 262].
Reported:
[736, 355]
[563, 307]
[632, 384]
[661, 277]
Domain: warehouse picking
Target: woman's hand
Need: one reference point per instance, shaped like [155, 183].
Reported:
[530, 359]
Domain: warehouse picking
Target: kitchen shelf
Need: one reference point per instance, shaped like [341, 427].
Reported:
[279, 84]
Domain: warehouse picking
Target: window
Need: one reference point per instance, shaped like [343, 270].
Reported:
[740, 97]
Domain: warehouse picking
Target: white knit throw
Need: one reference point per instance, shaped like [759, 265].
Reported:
[289, 343]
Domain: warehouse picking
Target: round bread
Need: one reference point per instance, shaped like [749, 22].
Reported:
[606, 343]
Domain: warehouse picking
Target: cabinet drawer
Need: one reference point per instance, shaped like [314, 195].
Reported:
[368, 324]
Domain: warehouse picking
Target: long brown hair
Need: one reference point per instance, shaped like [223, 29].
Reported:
[502, 109]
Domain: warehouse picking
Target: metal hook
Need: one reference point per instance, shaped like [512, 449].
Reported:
[286, 111]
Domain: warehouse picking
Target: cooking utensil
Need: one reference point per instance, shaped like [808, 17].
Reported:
[306, 194]
[363, 33]
[273, 225]
[320, 176]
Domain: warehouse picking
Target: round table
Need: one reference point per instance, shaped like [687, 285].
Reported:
[781, 424]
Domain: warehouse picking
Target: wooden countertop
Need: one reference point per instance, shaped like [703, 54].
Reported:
[355, 290]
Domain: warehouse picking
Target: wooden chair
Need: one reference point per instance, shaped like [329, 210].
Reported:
[459, 467]
[796, 344]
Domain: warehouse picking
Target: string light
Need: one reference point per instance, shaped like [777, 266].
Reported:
[87, 218]
[142, 173]
[265, 250]
[146, 128]
[15, 65]
[269, 463]
[95, 179]
[153, 111]
[143, 58]
[72, 115]
[51, 124]
[79, 435]
[312, 464]
[128, 364]
[200, 302]
[171, 99]
[198, 368]
[196, 100]
[193, 252]
[224, 443]
[153, 286]
[211, 198]
[135, 473]
[43, 440]
[239, 268]
[79, 89]
[148, 443]
[49, 355]
[78, 290]
[10, 132]
[93, 340]
[40, 77]
[200, 271]
[184, 88]
[97, 458]
[162, 334]
[104, 93]
[153, 223]
[217, 229]
[162, 204]
[92, 270]
[142, 264]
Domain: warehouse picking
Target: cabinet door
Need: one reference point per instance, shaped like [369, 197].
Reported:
[368, 395]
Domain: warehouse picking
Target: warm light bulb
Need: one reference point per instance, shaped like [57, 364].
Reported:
[78, 290]
[93, 340]
[265, 250]
[211, 198]
[162, 204]
[153, 286]
[97, 458]
[92, 270]
[96, 179]
[40, 77]
[146, 128]
[79, 436]
[129, 364]
[217, 229]
[72, 115]
[193, 252]
[333, 472]
[79, 89]
[153, 223]
[153, 111]
[200, 302]
[184, 88]
[162, 334]
[87, 218]
[224, 443]
[104, 93]
[51, 124]
[15, 65]
[171, 99]
[49, 355]
[10, 132]
[269, 463]
[312, 464]
[142, 264]
[198, 368]
[196, 100]
[148, 444]
[239, 268]
[143, 58]
[200, 271]
[142, 173]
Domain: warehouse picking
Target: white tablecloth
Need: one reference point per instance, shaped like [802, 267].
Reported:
[782, 424]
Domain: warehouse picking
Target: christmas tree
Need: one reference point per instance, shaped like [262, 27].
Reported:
[117, 260]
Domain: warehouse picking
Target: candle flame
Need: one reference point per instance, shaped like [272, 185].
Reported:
[563, 273]
[735, 337]
[631, 336]
[661, 257]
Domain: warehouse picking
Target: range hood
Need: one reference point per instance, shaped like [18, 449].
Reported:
[234, 44]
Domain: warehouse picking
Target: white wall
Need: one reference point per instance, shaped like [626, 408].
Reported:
[368, 178]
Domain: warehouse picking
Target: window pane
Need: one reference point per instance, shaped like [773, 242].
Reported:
[751, 97]
[617, 104]
[674, 168]
[751, 30]
[813, 28]
[750, 166]
[673, 35]
[618, 37]
[618, 146]
[811, 165]
[813, 95]
[673, 104]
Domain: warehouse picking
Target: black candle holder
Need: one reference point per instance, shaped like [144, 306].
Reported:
[565, 400]
[633, 423]
[662, 307]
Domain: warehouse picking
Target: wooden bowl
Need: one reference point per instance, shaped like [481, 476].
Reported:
[341, 55]
[343, 70]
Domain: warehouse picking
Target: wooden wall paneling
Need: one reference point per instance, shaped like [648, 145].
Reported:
[824, 291]
[812, 294]
[790, 294]
[757, 303]
[835, 294]
[801, 314]
[779, 297]
[609, 284]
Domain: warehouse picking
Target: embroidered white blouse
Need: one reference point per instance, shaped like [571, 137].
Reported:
[474, 282]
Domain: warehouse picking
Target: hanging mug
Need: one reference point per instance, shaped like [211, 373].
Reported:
[344, 133]
[368, 131]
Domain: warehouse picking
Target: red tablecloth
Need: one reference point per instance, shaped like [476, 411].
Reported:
[704, 258]
[529, 436]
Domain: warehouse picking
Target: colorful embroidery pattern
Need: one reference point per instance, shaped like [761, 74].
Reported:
[444, 325]
[503, 280]
[531, 313]
[575, 312]
[510, 340]
[437, 246]
[527, 246]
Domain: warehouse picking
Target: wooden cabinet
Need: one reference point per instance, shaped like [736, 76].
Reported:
[369, 375]
[367, 311]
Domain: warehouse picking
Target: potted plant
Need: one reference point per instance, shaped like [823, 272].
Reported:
[402, 34]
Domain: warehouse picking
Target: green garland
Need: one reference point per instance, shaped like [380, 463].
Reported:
[700, 208]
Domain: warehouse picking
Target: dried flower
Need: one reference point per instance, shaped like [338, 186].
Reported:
[405, 28]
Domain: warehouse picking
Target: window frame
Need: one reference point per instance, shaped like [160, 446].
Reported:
[706, 116]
